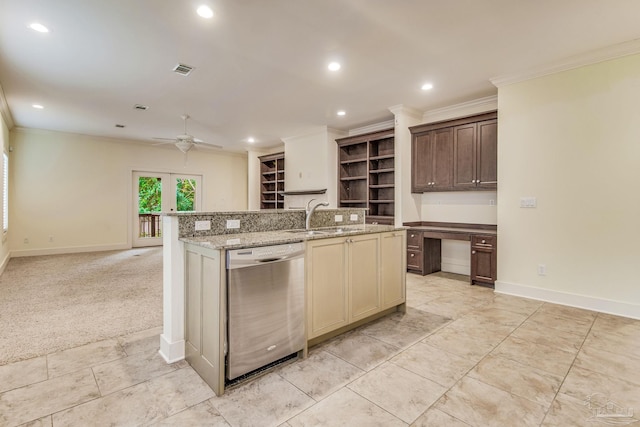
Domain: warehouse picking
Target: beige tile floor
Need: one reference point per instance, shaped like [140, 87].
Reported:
[461, 356]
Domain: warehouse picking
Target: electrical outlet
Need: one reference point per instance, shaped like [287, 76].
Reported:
[353, 217]
[233, 223]
[338, 218]
[542, 270]
[492, 202]
[50, 238]
[203, 225]
[26, 240]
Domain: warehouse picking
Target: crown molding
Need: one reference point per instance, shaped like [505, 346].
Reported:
[475, 106]
[593, 57]
[387, 124]
[4, 110]
[402, 109]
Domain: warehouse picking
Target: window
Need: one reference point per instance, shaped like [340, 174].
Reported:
[5, 192]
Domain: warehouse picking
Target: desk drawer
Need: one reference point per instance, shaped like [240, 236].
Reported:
[483, 241]
[415, 260]
[414, 239]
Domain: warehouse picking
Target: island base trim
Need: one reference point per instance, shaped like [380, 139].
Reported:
[171, 352]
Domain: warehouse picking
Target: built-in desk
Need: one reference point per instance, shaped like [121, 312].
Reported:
[424, 253]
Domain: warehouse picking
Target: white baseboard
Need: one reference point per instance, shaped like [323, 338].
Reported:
[69, 250]
[574, 300]
[4, 262]
[171, 352]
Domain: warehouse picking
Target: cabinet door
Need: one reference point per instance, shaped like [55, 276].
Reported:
[421, 162]
[442, 146]
[487, 155]
[464, 155]
[364, 276]
[393, 266]
[326, 278]
[483, 265]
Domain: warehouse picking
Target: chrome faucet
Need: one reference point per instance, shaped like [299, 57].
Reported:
[310, 210]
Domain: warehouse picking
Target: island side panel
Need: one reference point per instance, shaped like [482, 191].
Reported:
[173, 291]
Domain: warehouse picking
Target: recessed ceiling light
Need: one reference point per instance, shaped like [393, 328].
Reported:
[341, 113]
[205, 11]
[427, 86]
[39, 27]
[250, 140]
[38, 106]
[334, 66]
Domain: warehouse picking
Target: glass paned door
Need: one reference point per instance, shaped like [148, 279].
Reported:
[160, 192]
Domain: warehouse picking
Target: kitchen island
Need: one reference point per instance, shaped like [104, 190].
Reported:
[353, 273]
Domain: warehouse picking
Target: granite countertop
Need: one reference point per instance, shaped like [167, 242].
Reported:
[264, 238]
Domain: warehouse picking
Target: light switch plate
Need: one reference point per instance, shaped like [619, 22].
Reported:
[203, 225]
[233, 223]
[528, 202]
[338, 218]
[353, 217]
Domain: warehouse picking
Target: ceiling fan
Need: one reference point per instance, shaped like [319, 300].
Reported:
[186, 142]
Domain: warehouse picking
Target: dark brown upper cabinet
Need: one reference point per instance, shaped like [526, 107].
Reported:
[455, 155]
[432, 160]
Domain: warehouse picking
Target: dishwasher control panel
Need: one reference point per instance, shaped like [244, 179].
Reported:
[262, 254]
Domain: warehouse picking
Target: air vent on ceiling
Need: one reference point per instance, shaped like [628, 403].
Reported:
[183, 69]
[118, 125]
[140, 107]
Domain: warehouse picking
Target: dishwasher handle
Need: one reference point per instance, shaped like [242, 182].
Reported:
[244, 262]
[268, 260]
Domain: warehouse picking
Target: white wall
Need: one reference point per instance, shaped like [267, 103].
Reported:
[311, 164]
[78, 188]
[4, 147]
[571, 140]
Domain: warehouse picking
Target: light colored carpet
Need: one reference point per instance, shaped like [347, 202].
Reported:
[51, 303]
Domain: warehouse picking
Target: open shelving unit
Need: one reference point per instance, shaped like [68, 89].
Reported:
[366, 174]
[272, 181]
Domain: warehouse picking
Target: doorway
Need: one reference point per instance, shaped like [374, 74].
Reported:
[155, 192]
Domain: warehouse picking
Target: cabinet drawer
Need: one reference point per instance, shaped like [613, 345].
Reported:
[414, 239]
[482, 241]
[414, 260]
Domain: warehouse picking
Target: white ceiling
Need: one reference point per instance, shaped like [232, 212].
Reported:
[260, 65]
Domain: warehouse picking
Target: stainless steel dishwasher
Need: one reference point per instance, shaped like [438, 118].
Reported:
[265, 306]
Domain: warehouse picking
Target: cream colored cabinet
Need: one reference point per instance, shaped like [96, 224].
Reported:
[393, 269]
[343, 282]
[326, 277]
[363, 276]
[204, 326]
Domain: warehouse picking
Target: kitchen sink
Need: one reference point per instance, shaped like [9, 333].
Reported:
[324, 231]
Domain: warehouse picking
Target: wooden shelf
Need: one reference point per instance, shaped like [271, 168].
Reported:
[366, 173]
[272, 181]
[381, 170]
[386, 156]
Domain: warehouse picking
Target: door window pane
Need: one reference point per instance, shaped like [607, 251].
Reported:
[185, 194]
[149, 206]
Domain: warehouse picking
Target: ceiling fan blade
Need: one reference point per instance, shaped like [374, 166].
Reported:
[206, 144]
[165, 139]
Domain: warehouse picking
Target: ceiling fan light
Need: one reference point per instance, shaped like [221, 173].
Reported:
[184, 146]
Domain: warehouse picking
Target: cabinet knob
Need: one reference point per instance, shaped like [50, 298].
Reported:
[473, 252]
[473, 181]
[484, 241]
[413, 235]
[412, 255]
